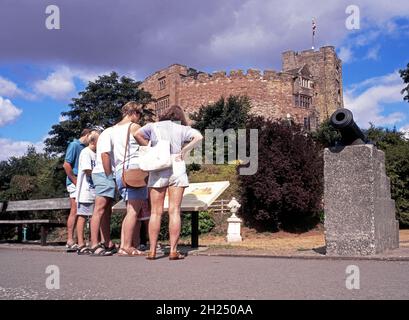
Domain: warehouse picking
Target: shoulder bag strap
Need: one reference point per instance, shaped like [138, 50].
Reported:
[126, 148]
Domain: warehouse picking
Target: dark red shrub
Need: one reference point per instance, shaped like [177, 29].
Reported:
[286, 191]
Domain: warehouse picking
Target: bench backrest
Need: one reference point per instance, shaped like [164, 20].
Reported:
[35, 205]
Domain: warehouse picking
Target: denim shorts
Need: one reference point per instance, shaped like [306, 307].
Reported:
[129, 193]
[85, 209]
[104, 186]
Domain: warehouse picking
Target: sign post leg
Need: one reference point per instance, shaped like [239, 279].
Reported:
[195, 229]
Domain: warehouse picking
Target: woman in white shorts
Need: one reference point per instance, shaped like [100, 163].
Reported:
[172, 127]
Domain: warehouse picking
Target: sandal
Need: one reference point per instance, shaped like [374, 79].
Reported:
[151, 256]
[100, 251]
[176, 256]
[131, 252]
[113, 249]
[83, 250]
[73, 247]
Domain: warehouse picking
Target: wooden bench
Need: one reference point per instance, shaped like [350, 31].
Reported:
[35, 205]
[197, 197]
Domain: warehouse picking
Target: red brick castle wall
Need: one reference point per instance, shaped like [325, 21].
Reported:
[308, 89]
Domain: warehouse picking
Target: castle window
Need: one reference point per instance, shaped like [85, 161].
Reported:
[305, 83]
[162, 83]
[161, 105]
[307, 124]
[297, 100]
[302, 101]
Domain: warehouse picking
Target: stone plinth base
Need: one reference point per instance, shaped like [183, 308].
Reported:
[359, 212]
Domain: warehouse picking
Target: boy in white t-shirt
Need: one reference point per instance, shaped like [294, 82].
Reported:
[85, 189]
[104, 182]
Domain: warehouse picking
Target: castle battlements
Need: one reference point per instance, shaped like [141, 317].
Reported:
[308, 88]
[232, 75]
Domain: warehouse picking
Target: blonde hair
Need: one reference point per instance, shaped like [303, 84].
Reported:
[93, 136]
[131, 108]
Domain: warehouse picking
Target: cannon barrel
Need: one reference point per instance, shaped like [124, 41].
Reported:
[343, 121]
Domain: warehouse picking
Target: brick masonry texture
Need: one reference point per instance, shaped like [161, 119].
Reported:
[311, 76]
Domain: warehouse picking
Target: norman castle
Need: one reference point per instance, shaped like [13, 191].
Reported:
[307, 90]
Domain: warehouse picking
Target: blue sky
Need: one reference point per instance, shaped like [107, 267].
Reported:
[41, 69]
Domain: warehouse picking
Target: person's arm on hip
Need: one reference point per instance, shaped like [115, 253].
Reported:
[197, 138]
[69, 172]
[106, 163]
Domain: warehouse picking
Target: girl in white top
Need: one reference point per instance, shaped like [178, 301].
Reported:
[85, 191]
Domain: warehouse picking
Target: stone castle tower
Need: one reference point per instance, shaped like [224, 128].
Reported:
[306, 91]
[326, 69]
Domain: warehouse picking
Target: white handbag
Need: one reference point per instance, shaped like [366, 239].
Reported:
[157, 157]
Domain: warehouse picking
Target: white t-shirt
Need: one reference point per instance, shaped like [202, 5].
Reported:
[85, 192]
[175, 133]
[104, 144]
[118, 138]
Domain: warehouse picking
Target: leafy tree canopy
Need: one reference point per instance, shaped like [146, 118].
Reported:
[98, 105]
[230, 113]
[32, 176]
[404, 73]
[396, 149]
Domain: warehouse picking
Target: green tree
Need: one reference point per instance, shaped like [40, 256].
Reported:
[326, 135]
[230, 113]
[396, 149]
[32, 176]
[98, 105]
[404, 73]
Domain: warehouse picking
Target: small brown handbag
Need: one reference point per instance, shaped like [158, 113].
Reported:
[135, 178]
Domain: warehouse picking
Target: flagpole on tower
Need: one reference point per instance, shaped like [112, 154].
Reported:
[314, 27]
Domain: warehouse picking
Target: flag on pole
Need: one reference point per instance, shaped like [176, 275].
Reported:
[314, 27]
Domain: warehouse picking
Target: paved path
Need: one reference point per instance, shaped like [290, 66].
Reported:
[22, 276]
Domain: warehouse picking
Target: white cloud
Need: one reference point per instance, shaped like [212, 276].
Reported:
[373, 53]
[60, 83]
[11, 148]
[369, 99]
[9, 88]
[8, 111]
[345, 54]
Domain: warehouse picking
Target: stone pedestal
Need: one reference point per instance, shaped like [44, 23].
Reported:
[359, 212]
[234, 229]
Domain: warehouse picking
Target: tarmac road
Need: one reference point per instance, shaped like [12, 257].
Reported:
[23, 276]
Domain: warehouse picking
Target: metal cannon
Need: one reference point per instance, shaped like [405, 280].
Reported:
[343, 121]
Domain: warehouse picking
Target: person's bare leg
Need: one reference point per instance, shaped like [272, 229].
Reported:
[97, 218]
[157, 198]
[80, 230]
[71, 220]
[137, 235]
[122, 232]
[146, 223]
[106, 223]
[132, 210]
[175, 199]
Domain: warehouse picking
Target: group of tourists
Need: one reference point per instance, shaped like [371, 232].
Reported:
[101, 164]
